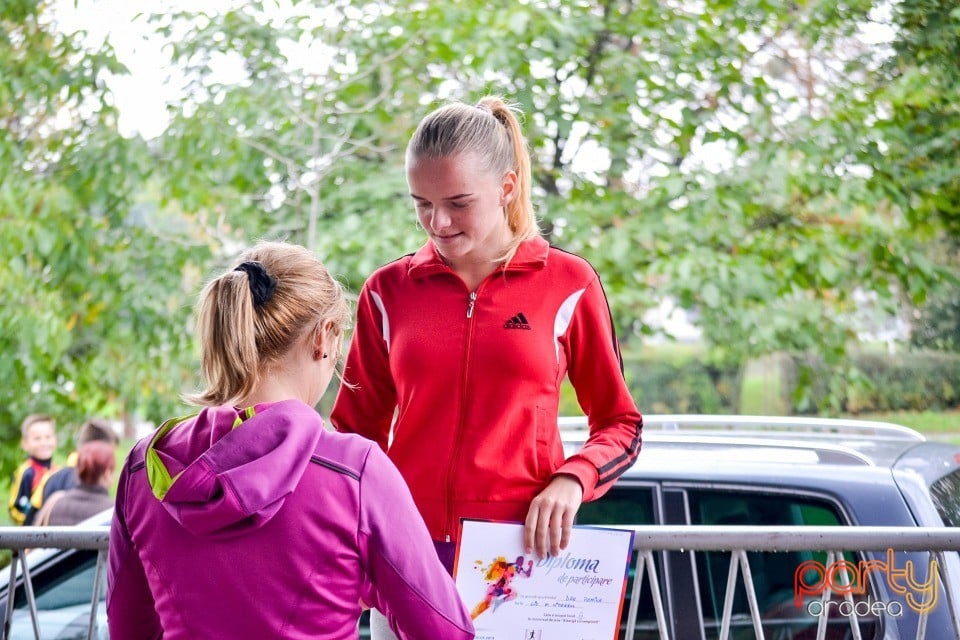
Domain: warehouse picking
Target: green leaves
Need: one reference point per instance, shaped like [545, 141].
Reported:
[87, 323]
[755, 161]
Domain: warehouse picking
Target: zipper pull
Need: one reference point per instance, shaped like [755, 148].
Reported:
[473, 300]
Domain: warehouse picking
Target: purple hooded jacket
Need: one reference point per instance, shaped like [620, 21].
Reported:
[263, 524]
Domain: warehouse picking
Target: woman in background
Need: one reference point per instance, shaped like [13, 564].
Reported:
[95, 466]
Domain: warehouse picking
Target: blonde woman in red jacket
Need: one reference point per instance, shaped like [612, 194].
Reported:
[460, 349]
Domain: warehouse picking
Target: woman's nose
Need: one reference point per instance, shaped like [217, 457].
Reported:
[439, 219]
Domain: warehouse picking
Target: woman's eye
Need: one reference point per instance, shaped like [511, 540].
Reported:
[460, 205]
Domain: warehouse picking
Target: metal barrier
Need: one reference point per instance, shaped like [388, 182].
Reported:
[739, 539]
[736, 540]
[21, 539]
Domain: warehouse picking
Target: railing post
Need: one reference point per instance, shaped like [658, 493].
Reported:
[97, 587]
[635, 594]
[31, 599]
[751, 594]
[951, 597]
[848, 597]
[11, 590]
[738, 558]
[645, 563]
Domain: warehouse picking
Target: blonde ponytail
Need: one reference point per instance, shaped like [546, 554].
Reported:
[249, 317]
[229, 358]
[520, 214]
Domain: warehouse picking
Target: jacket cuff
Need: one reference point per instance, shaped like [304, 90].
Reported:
[584, 472]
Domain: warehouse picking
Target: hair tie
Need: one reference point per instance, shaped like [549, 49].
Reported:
[262, 284]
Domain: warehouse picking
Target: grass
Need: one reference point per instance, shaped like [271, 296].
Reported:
[760, 389]
[673, 352]
[936, 425]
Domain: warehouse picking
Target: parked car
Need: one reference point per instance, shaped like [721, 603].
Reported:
[706, 470]
[737, 470]
[62, 582]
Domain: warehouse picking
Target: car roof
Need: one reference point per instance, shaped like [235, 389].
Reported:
[689, 440]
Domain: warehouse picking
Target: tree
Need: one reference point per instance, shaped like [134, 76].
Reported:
[921, 86]
[722, 154]
[93, 320]
[299, 149]
[758, 161]
[920, 165]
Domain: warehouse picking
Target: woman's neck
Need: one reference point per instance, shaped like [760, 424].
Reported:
[474, 276]
[473, 269]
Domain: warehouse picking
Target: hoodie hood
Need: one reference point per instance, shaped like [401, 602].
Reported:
[224, 471]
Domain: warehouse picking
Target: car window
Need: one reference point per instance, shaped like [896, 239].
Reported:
[774, 574]
[626, 505]
[620, 505]
[946, 498]
[63, 601]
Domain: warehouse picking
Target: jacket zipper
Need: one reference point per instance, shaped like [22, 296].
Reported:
[449, 525]
[473, 300]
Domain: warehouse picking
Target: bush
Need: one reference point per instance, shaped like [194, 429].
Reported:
[873, 381]
[672, 380]
[937, 326]
[680, 385]
[869, 381]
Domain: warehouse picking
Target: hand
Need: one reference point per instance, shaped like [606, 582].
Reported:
[551, 514]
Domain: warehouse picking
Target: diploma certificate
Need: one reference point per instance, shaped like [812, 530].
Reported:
[577, 595]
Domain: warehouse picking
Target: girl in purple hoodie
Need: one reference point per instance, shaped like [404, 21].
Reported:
[249, 519]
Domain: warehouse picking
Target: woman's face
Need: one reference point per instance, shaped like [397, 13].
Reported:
[461, 207]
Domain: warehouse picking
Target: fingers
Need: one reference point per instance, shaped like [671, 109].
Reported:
[530, 528]
[550, 518]
[547, 527]
[536, 529]
[566, 525]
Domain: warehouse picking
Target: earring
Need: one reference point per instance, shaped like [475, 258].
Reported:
[324, 355]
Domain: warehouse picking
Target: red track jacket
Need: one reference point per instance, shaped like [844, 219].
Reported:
[470, 382]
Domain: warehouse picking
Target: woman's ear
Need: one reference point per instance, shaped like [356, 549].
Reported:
[319, 351]
[508, 188]
[323, 340]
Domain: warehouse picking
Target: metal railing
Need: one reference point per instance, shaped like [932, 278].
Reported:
[737, 540]
[20, 540]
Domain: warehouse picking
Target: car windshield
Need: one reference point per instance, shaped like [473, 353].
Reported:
[946, 498]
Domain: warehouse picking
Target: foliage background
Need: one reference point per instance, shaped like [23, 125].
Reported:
[764, 163]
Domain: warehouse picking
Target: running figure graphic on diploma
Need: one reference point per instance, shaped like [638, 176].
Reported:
[500, 575]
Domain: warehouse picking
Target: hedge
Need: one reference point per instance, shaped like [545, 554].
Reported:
[875, 382]
[870, 381]
[673, 385]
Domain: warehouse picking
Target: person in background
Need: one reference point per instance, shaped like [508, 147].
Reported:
[93, 430]
[250, 519]
[96, 463]
[38, 438]
[460, 349]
